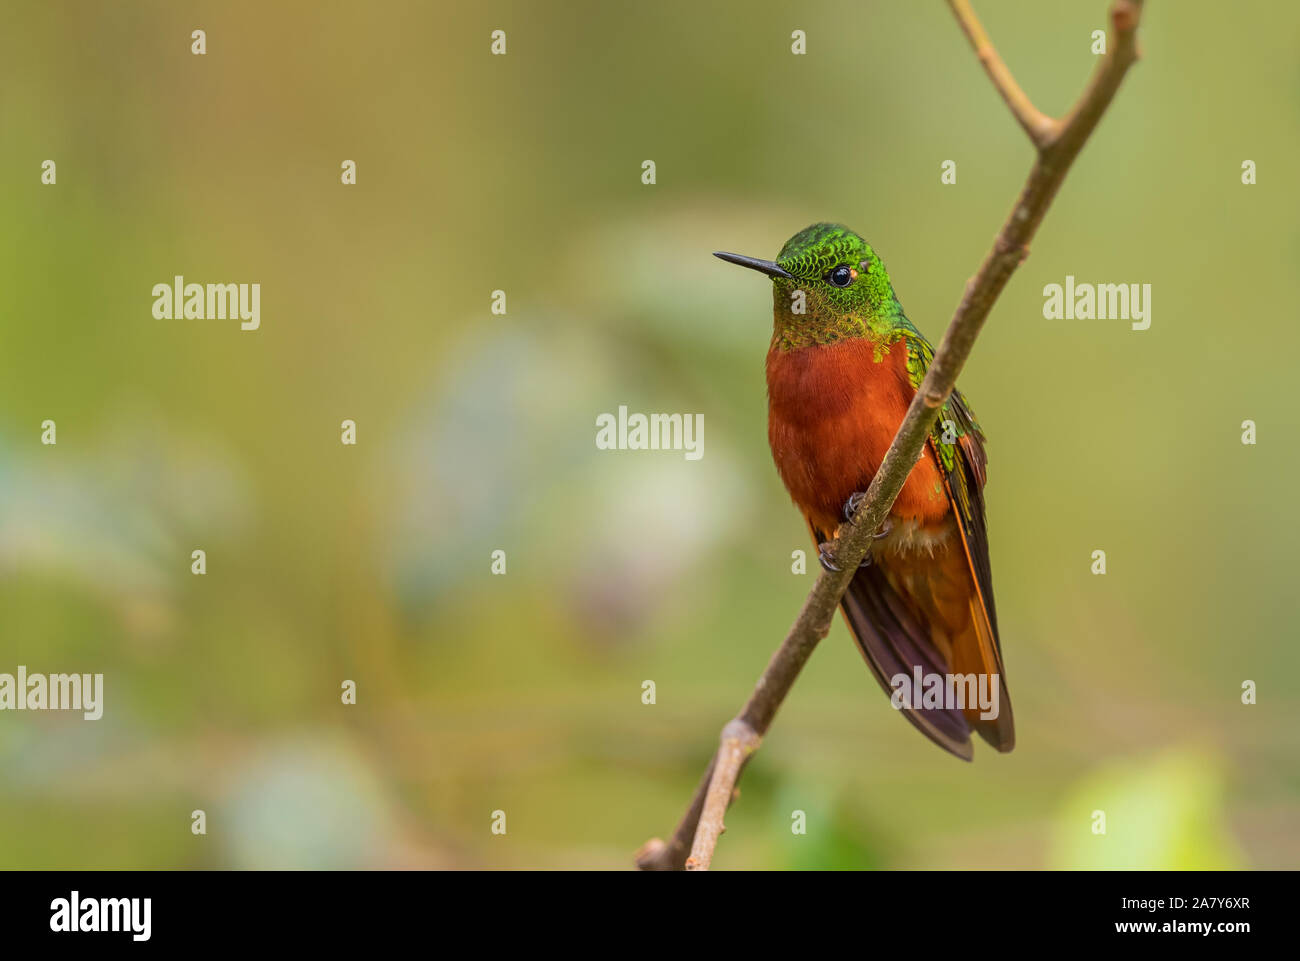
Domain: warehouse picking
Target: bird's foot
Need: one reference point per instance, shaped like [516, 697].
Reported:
[851, 508]
[826, 555]
[853, 503]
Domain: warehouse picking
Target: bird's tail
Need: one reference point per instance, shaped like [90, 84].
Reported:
[918, 617]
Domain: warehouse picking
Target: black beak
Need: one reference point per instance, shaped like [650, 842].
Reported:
[753, 263]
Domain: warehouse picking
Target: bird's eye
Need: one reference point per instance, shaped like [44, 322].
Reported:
[841, 276]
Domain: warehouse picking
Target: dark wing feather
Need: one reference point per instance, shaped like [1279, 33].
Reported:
[892, 642]
[965, 471]
[965, 479]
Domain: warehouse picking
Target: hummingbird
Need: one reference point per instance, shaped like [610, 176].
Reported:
[842, 368]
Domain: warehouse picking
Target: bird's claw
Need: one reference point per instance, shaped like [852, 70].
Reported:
[826, 555]
[851, 508]
[851, 505]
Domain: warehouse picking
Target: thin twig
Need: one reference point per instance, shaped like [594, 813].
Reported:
[1057, 150]
[739, 741]
[1037, 124]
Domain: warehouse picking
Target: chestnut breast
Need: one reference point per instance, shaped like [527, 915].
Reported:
[832, 413]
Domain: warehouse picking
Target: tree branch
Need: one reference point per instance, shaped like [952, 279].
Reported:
[1057, 143]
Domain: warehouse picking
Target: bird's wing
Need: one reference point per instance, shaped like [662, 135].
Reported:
[958, 444]
[937, 614]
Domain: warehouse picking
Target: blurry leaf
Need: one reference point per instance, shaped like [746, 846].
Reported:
[834, 840]
[1163, 815]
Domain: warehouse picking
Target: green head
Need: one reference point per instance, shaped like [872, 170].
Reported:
[828, 285]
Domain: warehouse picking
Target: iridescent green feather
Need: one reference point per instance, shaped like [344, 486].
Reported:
[956, 419]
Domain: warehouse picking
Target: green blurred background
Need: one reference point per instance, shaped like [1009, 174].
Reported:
[522, 692]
